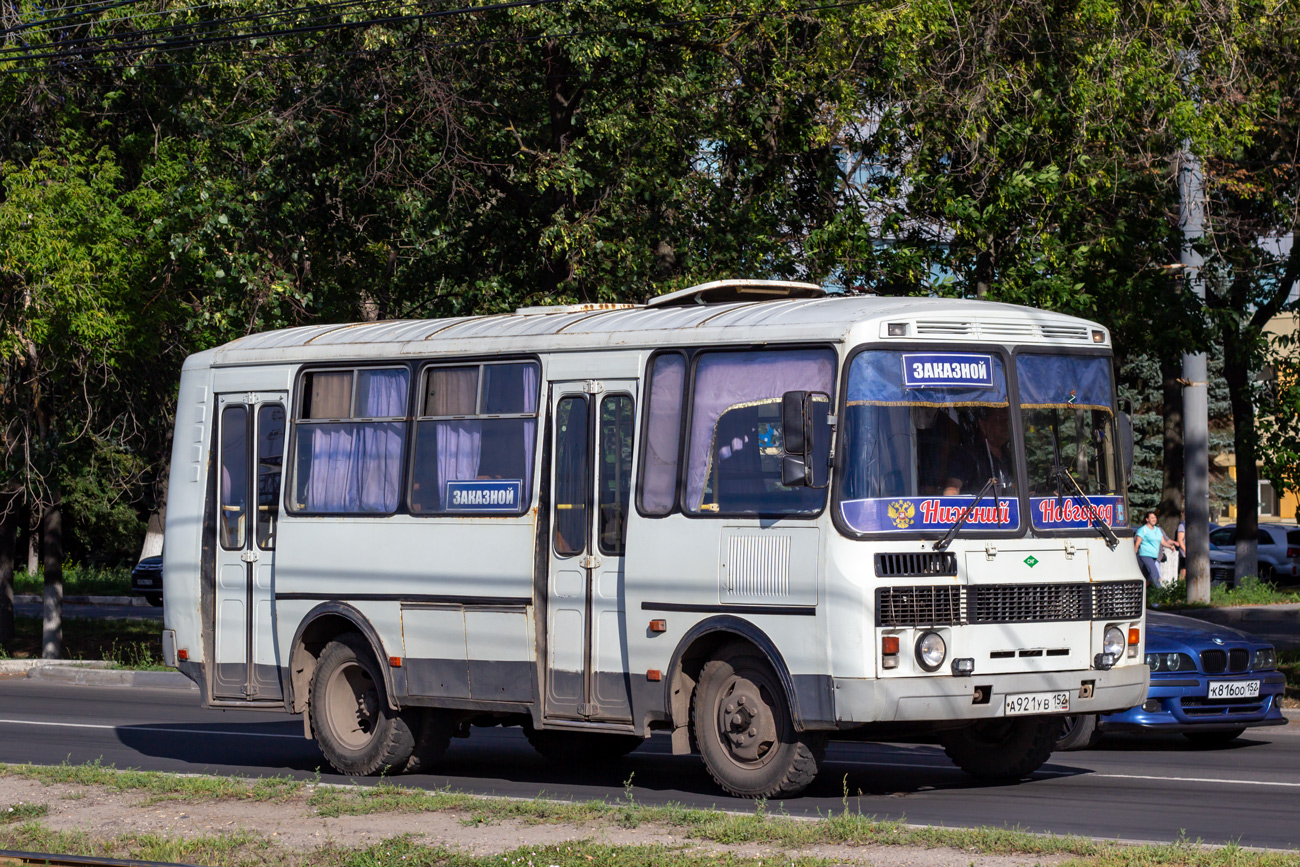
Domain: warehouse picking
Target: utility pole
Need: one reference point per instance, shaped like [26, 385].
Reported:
[1196, 408]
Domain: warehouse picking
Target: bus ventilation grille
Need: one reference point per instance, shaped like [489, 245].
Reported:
[916, 564]
[1029, 603]
[920, 606]
[1117, 600]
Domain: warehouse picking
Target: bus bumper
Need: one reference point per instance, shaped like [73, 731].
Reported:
[942, 698]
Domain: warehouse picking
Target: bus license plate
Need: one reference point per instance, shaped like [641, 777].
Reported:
[1234, 689]
[1037, 702]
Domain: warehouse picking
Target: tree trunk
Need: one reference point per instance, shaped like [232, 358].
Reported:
[153, 534]
[1171, 497]
[1237, 373]
[8, 543]
[52, 547]
[34, 550]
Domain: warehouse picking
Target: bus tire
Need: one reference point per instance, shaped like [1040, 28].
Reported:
[1002, 749]
[434, 729]
[578, 748]
[743, 727]
[1078, 732]
[358, 732]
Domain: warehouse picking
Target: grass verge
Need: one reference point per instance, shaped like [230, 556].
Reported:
[80, 581]
[134, 644]
[791, 836]
[1251, 591]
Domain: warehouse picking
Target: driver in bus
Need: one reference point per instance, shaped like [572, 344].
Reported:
[990, 457]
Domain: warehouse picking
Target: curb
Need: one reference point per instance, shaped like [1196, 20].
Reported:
[36, 599]
[93, 673]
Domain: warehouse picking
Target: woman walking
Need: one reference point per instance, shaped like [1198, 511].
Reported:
[1148, 542]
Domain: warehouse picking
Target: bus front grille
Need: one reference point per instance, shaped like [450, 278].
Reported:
[1117, 600]
[920, 606]
[1029, 603]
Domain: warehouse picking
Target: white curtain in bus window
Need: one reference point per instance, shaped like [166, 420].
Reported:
[482, 463]
[355, 466]
[734, 456]
[658, 488]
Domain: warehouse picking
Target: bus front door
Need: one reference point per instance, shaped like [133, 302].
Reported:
[591, 482]
[250, 454]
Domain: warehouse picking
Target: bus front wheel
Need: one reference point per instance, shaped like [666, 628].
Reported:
[1002, 749]
[358, 732]
[743, 727]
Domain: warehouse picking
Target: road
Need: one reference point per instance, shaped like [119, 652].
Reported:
[1153, 788]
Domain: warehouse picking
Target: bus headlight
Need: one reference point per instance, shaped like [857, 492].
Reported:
[1113, 642]
[930, 651]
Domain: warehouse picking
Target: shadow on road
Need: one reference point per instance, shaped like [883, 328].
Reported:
[501, 761]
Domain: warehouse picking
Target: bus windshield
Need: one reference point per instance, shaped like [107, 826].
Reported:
[1068, 410]
[923, 433]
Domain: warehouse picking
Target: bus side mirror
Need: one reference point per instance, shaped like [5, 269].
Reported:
[796, 439]
[1125, 428]
[801, 413]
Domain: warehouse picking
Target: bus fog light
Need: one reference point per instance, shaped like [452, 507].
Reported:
[1103, 661]
[930, 651]
[1113, 643]
[963, 667]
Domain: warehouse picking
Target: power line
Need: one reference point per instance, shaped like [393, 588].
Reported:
[170, 46]
[195, 42]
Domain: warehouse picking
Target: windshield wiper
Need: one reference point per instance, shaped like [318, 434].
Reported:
[1059, 472]
[961, 519]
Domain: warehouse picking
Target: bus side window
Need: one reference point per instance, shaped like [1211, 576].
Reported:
[663, 433]
[474, 439]
[615, 484]
[234, 476]
[571, 476]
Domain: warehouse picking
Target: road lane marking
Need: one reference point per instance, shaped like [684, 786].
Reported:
[1083, 775]
[146, 728]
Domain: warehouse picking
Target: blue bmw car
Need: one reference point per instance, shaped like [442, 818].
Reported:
[1208, 682]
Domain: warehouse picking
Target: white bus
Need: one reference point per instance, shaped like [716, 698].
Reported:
[747, 514]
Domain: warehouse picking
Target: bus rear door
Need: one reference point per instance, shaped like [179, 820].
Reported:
[251, 435]
[586, 638]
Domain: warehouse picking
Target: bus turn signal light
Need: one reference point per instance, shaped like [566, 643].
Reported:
[1134, 638]
[395, 661]
[182, 654]
[889, 651]
[658, 625]
[654, 674]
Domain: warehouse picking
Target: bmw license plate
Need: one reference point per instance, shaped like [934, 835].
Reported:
[1037, 702]
[1234, 689]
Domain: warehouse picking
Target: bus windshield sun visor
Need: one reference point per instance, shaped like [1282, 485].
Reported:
[928, 443]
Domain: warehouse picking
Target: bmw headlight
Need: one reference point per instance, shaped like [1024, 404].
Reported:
[1170, 662]
[1264, 658]
[1113, 643]
[930, 651]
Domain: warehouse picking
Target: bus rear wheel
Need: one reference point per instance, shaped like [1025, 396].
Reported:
[358, 732]
[1003, 749]
[744, 731]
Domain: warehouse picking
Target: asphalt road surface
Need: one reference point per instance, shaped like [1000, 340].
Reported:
[1152, 788]
[113, 612]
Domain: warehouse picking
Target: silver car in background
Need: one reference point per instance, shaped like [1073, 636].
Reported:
[1279, 553]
